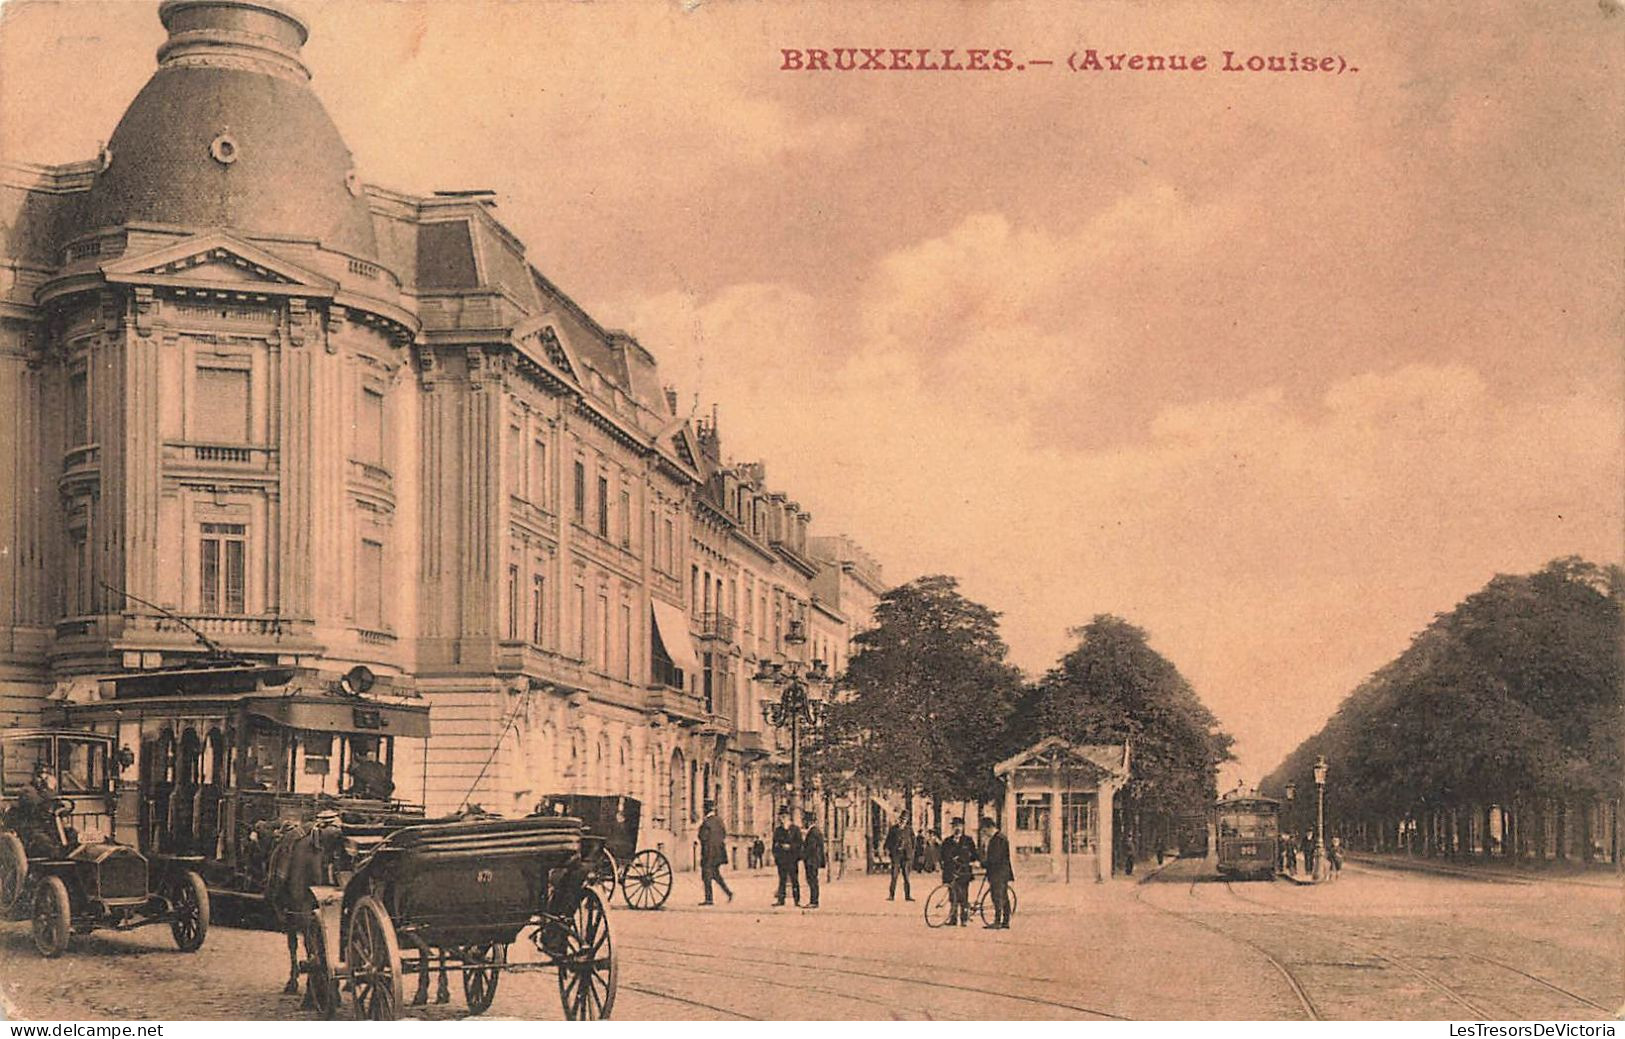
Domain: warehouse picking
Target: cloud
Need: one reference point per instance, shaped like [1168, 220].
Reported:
[1278, 548]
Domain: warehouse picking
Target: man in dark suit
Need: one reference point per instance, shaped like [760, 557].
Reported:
[958, 852]
[812, 855]
[713, 853]
[996, 859]
[900, 849]
[787, 856]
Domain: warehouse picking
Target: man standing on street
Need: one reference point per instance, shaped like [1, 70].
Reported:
[713, 853]
[900, 849]
[999, 872]
[787, 856]
[812, 855]
[958, 852]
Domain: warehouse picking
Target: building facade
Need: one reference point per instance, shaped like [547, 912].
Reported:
[254, 405]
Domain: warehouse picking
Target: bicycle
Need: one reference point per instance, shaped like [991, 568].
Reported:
[937, 903]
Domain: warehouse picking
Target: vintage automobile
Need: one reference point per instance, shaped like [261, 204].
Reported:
[223, 752]
[60, 862]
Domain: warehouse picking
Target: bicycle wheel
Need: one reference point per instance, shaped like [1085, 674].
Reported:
[985, 906]
[936, 907]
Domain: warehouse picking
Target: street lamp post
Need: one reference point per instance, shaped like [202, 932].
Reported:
[1291, 821]
[797, 705]
[1320, 815]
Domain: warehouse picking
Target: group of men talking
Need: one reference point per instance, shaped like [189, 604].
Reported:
[794, 849]
[959, 851]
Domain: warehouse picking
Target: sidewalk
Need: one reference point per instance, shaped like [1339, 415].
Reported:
[1598, 875]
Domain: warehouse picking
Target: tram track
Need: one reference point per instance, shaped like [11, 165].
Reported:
[673, 997]
[1292, 980]
[893, 977]
[1434, 982]
[1451, 992]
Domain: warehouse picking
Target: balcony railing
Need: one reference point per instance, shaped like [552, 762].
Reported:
[717, 626]
[221, 624]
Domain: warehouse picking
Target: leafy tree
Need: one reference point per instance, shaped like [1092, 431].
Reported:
[925, 698]
[1114, 688]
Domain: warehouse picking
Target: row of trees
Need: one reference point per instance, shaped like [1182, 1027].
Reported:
[929, 704]
[1498, 731]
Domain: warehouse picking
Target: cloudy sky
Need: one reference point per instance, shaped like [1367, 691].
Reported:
[1277, 366]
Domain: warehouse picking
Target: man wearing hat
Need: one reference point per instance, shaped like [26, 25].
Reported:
[787, 856]
[900, 849]
[812, 855]
[368, 776]
[996, 859]
[713, 853]
[35, 816]
[958, 852]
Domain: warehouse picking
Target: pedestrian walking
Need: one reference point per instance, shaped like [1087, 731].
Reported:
[713, 853]
[1309, 852]
[900, 849]
[812, 855]
[761, 853]
[1334, 857]
[787, 857]
[996, 860]
[958, 852]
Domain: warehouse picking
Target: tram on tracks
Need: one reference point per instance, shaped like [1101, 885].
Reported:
[213, 758]
[1248, 829]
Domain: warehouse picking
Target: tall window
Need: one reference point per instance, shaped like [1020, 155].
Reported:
[603, 634]
[624, 519]
[513, 480]
[222, 576]
[671, 547]
[626, 641]
[369, 591]
[694, 589]
[538, 607]
[603, 507]
[81, 573]
[1032, 821]
[78, 417]
[220, 411]
[369, 427]
[1076, 830]
[708, 683]
[581, 492]
[513, 602]
[538, 472]
[581, 622]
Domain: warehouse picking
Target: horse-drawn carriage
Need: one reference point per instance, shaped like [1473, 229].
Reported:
[59, 861]
[643, 874]
[460, 895]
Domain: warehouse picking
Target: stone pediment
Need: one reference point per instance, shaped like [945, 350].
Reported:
[1108, 761]
[218, 261]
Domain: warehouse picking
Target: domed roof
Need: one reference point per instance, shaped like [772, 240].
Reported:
[228, 133]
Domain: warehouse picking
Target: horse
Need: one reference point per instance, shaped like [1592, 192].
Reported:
[295, 865]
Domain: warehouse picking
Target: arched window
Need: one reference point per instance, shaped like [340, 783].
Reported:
[676, 787]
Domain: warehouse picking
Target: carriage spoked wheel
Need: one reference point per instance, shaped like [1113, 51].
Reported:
[588, 974]
[605, 872]
[480, 983]
[190, 904]
[646, 883]
[52, 921]
[324, 988]
[13, 871]
[374, 959]
[937, 906]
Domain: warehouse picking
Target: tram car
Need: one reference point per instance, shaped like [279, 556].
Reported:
[1249, 836]
[212, 759]
[1191, 835]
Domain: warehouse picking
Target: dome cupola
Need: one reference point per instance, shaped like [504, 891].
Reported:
[228, 134]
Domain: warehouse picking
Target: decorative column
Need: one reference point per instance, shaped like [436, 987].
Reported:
[1103, 831]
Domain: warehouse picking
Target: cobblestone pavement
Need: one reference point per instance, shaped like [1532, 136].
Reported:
[1375, 944]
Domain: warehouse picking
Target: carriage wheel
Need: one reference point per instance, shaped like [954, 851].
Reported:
[587, 970]
[52, 923]
[605, 871]
[937, 906]
[480, 983]
[324, 990]
[647, 880]
[190, 902]
[374, 959]
[13, 871]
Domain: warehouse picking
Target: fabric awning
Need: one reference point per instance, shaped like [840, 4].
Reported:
[673, 628]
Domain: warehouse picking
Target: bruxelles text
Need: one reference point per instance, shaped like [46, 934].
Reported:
[1004, 59]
